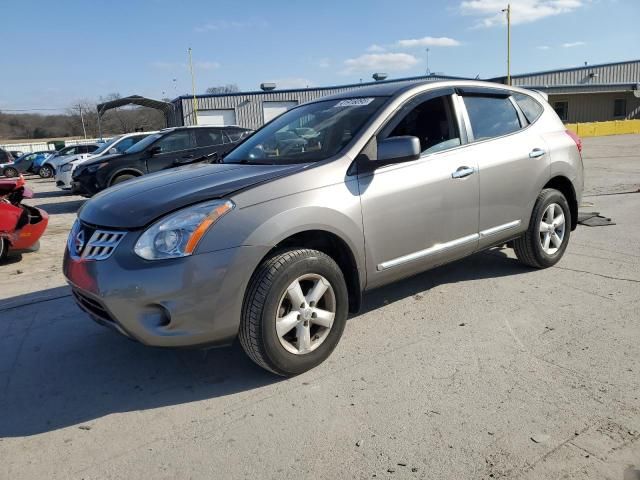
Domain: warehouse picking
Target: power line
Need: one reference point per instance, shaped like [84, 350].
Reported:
[31, 109]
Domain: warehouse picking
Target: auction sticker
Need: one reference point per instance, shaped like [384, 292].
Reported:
[354, 102]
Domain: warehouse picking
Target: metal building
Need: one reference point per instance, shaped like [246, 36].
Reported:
[254, 109]
[591, 93]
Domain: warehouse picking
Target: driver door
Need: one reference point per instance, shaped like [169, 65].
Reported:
[174, 149]
[421, 213]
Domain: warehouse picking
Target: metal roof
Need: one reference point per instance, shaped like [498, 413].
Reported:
[135, 100]
[560, 70]
[391, 82]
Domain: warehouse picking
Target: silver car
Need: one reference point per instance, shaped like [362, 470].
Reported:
[276, 243]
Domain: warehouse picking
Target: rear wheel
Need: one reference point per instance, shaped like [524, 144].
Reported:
[546, 240]
[46, 171]
[122, 178]
[295, 311]
[10, 172]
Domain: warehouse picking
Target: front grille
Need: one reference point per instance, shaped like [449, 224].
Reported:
[91, 306]
[100, 246]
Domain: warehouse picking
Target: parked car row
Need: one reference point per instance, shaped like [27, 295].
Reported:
[90, 168]
[168, 148]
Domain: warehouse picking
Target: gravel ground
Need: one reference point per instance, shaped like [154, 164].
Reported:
[478, 369]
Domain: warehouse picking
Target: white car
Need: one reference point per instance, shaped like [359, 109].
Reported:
[115, 146]
[51, 164]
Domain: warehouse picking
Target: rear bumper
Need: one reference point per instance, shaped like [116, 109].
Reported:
[186, 302]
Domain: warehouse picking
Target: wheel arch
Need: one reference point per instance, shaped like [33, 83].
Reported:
[124, 171]
[564, 185]
[334, 246]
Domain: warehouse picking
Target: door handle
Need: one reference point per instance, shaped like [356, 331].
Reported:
[536, 153]
[462, 172]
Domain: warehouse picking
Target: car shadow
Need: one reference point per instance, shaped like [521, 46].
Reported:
[56, 208]
[59, 369]
[491, 263]
[54, 194]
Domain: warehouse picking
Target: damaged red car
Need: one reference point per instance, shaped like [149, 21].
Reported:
[21, 226]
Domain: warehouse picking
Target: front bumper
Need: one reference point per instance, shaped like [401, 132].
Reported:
[63, 180]
[86, 184]
[185, 302]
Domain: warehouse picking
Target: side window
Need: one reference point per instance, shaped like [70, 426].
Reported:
[432, 121]
[562, 109]
[124, 144]
[174, 142]
[207, 137]
[531, 108]
[491, 116]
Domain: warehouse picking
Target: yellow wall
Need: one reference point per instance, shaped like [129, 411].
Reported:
[596, 129]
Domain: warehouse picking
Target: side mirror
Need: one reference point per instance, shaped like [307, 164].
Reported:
[154, 151]
[398, 149]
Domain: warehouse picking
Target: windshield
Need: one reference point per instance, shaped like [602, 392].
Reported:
[143, 144]
[105, 146]
[309, 133]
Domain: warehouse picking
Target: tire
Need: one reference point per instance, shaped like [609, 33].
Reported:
[46, 171]
[4, 249]
[269, 294]
[530, 247]
[10, 172]
[122, 178]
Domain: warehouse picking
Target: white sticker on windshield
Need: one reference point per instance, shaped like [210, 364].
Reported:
[354, 102]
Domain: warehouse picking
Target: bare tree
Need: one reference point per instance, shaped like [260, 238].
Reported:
[229, 88]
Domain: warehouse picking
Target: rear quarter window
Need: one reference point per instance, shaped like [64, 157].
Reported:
[491, 116]
[530, 107]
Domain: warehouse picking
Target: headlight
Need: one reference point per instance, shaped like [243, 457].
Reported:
[66, 167]
[95, 167]
[178, 234]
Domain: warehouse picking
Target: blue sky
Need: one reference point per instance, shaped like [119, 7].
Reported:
[54, 53]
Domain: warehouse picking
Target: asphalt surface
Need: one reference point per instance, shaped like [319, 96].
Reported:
[479, 369]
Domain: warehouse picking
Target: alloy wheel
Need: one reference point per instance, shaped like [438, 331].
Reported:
[552, 228]
[305, 314]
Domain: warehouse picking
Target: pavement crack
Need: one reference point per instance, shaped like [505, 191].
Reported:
[610, 277]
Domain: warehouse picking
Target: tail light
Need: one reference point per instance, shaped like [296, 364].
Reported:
[576, 139]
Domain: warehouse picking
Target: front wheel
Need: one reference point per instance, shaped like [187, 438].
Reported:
[295, 311]
[46, 171]
[11, 172]
[546, 240]
[122, 178]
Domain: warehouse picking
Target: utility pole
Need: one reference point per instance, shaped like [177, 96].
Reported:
[82, 120]
[193, 88]
[428, 71]
[508, 10]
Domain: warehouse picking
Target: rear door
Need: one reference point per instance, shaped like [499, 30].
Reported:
[174, 149]
[512, 159]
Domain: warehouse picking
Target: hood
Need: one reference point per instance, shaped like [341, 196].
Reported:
[139, 202]
[95, 159]
[59, 160]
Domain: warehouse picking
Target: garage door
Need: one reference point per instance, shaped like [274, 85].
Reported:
[219, 118]
[273, 109]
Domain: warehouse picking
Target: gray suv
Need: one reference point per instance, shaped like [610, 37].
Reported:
[276, 242]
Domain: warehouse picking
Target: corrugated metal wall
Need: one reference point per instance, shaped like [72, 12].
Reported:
[248, 107]
[588, 107]
[625, 72]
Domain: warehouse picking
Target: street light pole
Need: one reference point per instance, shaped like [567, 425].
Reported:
[508, 10]
[193, 88]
